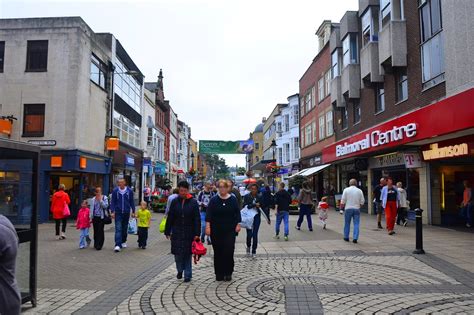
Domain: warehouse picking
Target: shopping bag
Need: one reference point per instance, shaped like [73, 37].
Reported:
[247, 215]
[66, 211]
[132, 226]
[198, 250]
[163, 225]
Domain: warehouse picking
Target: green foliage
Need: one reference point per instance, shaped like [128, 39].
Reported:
[217, 165]
[241, 170]
[297, 181]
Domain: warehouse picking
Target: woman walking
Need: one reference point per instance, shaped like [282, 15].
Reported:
[59, 203]
[222, 224]
[390, 202]
[306, 204]
[99, 214]
[183, 225]
[403, 209]
[253, 200]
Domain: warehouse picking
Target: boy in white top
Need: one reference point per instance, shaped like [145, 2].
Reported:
[352, 200]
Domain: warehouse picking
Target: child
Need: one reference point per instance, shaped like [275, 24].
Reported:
[143, 220]
[83, 223]
[323, 211]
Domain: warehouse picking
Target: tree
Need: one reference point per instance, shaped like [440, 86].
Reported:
[241, 170]
[217, 165]
[297, 181]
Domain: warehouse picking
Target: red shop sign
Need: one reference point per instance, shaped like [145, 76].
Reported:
[449, 115]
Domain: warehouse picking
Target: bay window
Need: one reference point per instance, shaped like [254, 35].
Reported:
[349, 50]
[335, 71]
[370, 26]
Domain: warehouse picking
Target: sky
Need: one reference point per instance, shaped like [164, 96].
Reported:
[226, 63]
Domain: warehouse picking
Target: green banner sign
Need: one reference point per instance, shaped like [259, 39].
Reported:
[225, 147]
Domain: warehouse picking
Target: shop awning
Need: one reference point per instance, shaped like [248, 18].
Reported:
[312, 170]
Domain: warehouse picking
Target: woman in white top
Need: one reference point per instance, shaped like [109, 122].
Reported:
[403, 208]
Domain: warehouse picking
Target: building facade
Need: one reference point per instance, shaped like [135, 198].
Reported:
[254, 158]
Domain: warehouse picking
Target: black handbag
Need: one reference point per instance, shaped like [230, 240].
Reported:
[107, 218]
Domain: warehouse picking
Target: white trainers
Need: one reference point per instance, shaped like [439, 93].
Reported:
[117, 249]
[124, 245]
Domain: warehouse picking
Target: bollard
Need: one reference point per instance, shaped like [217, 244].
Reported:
[419, 232]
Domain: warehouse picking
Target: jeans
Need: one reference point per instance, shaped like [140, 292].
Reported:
[121, 228]
[466, 213]
[401, 215]
[285, 216]
[142, 236]
[253, 234]
[183, 263]
[305, 210]
[351, 214]
[58, 223]
[203, 227]
[98, 225]
[83, 237]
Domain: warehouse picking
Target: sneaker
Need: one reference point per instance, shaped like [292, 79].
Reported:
[124, 245]
[298, 228]
[405, 223]
[341, 211]
[88, 240]
[277, 237]
[468, 225]
[143, 247]
[254, 255]
[324, 226]
[63, 236]
[248, 251]
[81, 247]
[311, 230]
[60, 238]
[346, 239]
[179, 275]
[286, 237]
[117, 249]
[380, 226]
[354, 241]
[391, 232]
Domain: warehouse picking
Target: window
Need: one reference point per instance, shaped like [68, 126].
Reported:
[329, 124]
[308, 101]
[286, 149]
[344, 118]
[313, 128]
[126, 130]
[380, 101]
[370, 26]
[33, 121]
[432, 42]
[349, 50]
[257, 145]
[280, 156]
[327, 81]
[149, 140]
[322, 125]
[335, 64]
[385, 10]
[357, 112]
[313, 96]
[37, 55]
[402, 86]
[287, 122]
[279, 129]
[98, 72]
[302, 103]
[296, 115]
[307, 136]
[321, 89]
[128, 88]
[296, 148]
[2, 55]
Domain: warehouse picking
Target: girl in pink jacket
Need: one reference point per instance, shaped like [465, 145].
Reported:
[83, 224]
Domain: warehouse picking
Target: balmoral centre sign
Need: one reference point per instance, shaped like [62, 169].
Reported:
[377, 138]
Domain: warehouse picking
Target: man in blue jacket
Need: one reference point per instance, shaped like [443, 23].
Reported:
[121, 206]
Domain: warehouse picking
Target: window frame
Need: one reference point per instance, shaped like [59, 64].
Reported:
[296, 147]
[30, 50]
[314, 131]
[335, 65]
[308, 133]
[102, 68]
[401, 79]
[322, 127]
[344, 118]
[352, 50]
[321, 85]
[286, 120]
[287, 152]
[327, 82]
[379, 109]
[329, 124]
[357, 112]
[41, 108]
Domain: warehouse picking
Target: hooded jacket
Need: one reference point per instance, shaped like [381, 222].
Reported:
[59, 200]
[305, 197]
[122, 203]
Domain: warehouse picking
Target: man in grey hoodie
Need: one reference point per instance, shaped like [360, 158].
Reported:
[305, 199]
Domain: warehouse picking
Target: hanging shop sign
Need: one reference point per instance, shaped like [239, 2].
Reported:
[112, 144]
[129, 160]
[82, 162]
[146, 161]
[226, 147]
[56, 161]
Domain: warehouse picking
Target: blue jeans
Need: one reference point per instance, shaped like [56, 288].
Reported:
[183, 263]
[285, 216]
[305, 210]
[253, 234]
[466, 213]
[83, 237]
[203, 227]
[121, 228]
[351, 214]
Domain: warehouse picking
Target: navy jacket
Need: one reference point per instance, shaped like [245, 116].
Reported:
[122, 203]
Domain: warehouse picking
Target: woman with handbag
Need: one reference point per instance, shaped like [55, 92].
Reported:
[60, 209]
[100, 216]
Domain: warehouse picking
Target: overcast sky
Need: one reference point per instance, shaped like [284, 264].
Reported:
[226, 63]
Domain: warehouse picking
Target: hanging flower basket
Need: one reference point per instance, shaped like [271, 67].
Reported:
[273, 167]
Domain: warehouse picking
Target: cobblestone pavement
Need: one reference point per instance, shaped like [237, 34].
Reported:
[313, 273]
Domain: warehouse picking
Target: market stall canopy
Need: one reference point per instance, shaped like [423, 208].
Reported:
[310, 171]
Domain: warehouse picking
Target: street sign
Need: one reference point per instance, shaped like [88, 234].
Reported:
[43, 143]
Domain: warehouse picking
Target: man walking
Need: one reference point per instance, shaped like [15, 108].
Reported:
[352, 200]
[121, 207]
[378, 201]
[282, 206]
[203, 199]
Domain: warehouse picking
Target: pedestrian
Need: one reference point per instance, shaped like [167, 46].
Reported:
[222, 224]
[390, 202]
[183, 226]
[253, 200]
[351, 201]
[99, 206]
[466, 206]
[83, 223]
[59, 202]
[378, 201]
[403, 209]
[10, 299]
[235, 192]
[305, 200]
[282, 207]
[323, 209]
[143, 223]
[268, 201]
[147, 195]
[121, 207]
[173, 196]
[203, 199]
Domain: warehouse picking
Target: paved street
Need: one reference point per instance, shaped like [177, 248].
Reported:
[314, 272]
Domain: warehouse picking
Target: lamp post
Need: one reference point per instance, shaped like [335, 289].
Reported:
[192, 167]
[273, 146]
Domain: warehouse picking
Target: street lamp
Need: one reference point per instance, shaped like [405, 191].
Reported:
[192, 167]
[273, 146]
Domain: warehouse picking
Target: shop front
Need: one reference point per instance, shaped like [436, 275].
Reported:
[127, 164]
[451, 164]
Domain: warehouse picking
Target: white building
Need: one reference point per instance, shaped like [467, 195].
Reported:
[173, 159]
[183, 147]
[287, 137]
